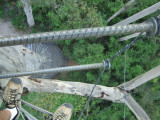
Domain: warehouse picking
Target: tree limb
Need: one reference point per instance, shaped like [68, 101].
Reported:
[75, 88]
[149, 75]
[125, 7]
[136, 108]
[140, 14]
[83, 89]
[130, 36]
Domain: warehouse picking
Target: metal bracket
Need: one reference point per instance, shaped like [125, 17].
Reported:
[156, 26]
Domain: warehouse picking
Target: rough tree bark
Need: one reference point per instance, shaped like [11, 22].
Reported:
[28, 11]
[17, 59]
[75, 88]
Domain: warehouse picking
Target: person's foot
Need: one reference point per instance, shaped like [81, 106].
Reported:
[64, 112]
[12, 96]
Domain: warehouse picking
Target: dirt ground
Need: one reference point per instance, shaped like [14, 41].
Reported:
[7, 29]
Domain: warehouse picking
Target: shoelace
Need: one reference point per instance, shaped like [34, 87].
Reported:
[12, 98]
[60, 116]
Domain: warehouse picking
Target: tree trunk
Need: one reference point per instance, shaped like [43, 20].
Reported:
[28, 11]
[18, 59]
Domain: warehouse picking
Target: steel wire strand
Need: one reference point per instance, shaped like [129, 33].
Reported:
[108, 65]
[36, 108]
[127, 46]
[90, 96]
[22, 115]
[28, 115]
[125, 85]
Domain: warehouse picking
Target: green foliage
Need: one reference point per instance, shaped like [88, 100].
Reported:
[89, 53]
[53, 15]
[51, 101]
[2, 12]
[108, 111]
[150, 100]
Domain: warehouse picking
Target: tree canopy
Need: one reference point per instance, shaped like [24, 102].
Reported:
[53, 15]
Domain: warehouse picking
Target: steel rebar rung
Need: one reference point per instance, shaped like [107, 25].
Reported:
[59, 69]
[76, 33]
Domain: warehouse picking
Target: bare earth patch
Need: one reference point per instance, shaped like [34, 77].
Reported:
[7, 29]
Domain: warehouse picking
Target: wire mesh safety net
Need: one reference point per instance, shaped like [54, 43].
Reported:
[52, 54]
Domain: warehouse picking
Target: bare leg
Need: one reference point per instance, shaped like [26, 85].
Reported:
[5, 115]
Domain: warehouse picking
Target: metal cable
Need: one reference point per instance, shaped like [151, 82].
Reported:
[127, 47]
[90, 96]
[37, 108]
[59, 69]
[22, 115]
[125, 85]
[28, 115]
[76, 33]
[87, 112]
[107, 64]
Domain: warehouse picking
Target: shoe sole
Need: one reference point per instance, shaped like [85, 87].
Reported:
[64, 107]
[16, 80]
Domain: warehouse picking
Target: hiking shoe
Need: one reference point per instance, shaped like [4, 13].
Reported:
[12, 95]
[64, 112]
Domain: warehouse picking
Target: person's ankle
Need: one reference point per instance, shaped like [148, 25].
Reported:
[13, 112]
[7, 112]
